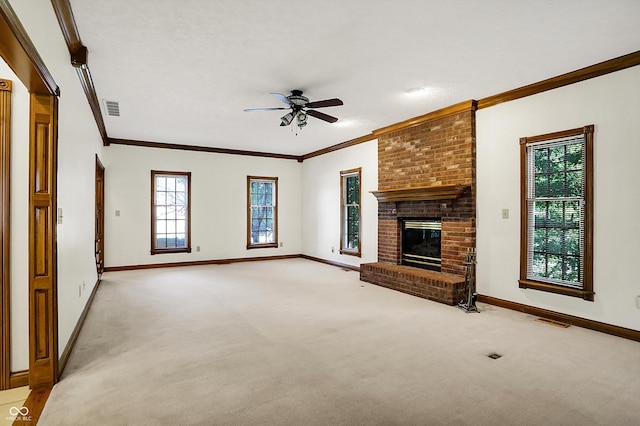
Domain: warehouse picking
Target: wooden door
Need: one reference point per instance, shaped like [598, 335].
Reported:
[99, 217]
[43, 313]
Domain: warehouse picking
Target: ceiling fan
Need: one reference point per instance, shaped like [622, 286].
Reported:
[300, 108]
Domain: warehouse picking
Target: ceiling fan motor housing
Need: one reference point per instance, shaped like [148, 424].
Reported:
[297, 99]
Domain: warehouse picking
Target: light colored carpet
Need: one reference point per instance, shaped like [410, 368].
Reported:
[296, 342]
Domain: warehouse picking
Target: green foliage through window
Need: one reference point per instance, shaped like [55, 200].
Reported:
[350, 187]
[555, 201]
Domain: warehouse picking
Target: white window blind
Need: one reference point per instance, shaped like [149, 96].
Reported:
[556, 211]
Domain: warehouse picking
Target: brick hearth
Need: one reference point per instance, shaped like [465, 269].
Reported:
[439, 151]
[431, 285]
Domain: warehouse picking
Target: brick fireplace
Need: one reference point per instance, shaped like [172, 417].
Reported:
[426, 169]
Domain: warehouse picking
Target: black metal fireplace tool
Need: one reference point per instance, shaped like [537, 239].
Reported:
[469, 305]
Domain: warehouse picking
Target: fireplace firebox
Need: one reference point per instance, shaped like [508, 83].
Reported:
[421, 243]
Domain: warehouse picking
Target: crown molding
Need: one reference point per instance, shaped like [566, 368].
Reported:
[597, 70]
[342, 145]
[199, 148]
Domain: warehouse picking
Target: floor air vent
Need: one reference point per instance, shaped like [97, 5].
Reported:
[552, 322]
[494, 356]
[113, 108]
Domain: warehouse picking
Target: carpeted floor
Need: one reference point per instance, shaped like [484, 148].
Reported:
[296, 342]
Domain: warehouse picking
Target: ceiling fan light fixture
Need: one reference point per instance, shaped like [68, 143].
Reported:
[302, 119]
[287, 119]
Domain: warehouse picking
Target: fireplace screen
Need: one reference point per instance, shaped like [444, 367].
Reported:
[421, 243]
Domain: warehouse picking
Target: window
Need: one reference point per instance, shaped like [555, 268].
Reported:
[170, 212]
[262, 214]
[556, 253]
[350, 212]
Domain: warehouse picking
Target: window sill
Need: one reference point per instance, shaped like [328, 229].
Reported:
[171, 250]
[257, 246]
[552, 288]
[351, 253]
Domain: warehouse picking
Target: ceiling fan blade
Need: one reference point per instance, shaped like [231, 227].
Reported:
[262, 109]
[322, 116]
[325, 103]
[281, 97]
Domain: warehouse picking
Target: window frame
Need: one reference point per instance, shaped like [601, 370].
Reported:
[343, 215]
[586, 292]
[274, 180]
[187, 248]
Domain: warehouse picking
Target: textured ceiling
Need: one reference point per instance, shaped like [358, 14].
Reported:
[184, 71]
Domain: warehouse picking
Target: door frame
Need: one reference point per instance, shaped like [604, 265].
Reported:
[18, 51]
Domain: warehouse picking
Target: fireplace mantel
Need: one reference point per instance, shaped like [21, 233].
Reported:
[437, 192]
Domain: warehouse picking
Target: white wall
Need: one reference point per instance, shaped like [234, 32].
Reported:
[610, 103]
[78, 143]
[218, 204]
[321, 203]
[19, 287]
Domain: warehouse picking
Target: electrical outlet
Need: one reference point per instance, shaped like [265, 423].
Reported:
[84, 285]
[505, 213]
[197, 248]
[332, 250]
[281, 244]
[638, 301]
[79, 291]
[117, 212]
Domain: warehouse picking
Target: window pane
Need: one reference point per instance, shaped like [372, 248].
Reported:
[572, 269]
[540, 213]
[171, 184]
[171, 212]
[181, 184]
[542, 185]
[161, 198]
[574, 184]
[540, 239]
[161, 212]
[171, 198]
[556, 158]
[161, 226]
[556, 185]
[554, 241]
[541, 160]
[574, 159]
[539, 265]
[161, 183]
[554, 267]
[572, 241]
[353, 190]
